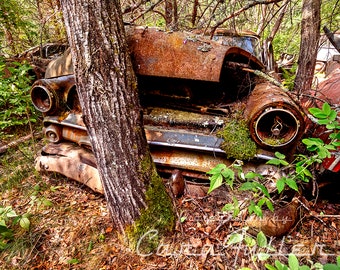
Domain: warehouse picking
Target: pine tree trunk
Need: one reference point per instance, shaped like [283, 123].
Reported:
[108, 95]
[310, 33]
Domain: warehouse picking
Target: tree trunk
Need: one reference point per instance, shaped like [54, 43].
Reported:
[171, 16]
[108, 95]
[310, 33]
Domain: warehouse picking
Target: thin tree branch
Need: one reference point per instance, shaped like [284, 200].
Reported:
[146, 11]
[238, 12]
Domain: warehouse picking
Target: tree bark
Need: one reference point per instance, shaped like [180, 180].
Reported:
[310, 34]
[107, 91]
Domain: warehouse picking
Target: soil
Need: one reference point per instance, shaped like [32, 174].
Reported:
[71, 229]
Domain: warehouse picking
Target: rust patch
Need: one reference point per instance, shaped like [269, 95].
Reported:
[179, 55]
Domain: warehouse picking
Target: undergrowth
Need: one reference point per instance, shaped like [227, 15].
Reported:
[16, 107]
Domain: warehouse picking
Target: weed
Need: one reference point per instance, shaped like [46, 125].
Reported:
[16, 107]
[295, 173]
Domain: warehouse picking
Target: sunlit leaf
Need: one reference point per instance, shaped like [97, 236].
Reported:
[280, 184]
[280, 155]
[247, 186]
[274, 161]
[314, 111]
[280, 266]
[252, 175]
[326, 108]
[263, 256]
[292, 184]
[293, 262]
[263, 189]
[235, 238]
[269, 205]
[250, 241]
[215, 182]
[25, 223]
[270, 267]
[217, 169]
[73, 261]
[323, 121]
[261, 239]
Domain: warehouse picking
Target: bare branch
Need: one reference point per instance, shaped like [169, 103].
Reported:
[146, 11]
[238, 12]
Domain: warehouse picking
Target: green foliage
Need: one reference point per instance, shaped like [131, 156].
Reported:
[296, 173]
[258, 246]
[325, 117]
[293, 264]
[237, 142]
[218, 174]
[288, 76]
[328, 118]
[19, 29]
[37, 198]
[8, 221]
[221, 174]
[261, 250]
[16, 107]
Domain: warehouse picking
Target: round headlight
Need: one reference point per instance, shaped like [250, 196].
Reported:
[42, 99]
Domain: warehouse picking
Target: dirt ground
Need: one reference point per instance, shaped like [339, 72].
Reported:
[71, 229]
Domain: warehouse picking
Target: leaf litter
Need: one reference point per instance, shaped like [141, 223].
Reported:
[74, 230]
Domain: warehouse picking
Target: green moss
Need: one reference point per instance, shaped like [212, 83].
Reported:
[156, 218]
[274, 141]
[237, 142]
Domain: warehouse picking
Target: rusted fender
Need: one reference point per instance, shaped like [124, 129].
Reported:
[171, 54]
[61, 66]
[180, 55]
[329, 89]
[73, 162]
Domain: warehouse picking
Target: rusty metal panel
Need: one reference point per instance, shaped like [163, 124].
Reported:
[186, 160]
[60, 66]
[178, 54]
[329, 89]
[72, 161]
[155, 52]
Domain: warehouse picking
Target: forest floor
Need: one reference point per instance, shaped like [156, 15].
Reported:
[71, 228]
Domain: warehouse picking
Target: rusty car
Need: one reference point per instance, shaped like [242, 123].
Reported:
[190, 88]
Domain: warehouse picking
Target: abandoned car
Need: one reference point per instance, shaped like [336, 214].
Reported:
[191, 89]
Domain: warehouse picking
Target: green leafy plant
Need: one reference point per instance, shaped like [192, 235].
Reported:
[295, 173]
[327, 117]
[16, 107]
[319, 148]
[258, 246]
[8, 220]
[38, 199]
[293, 264]
[250, 181]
